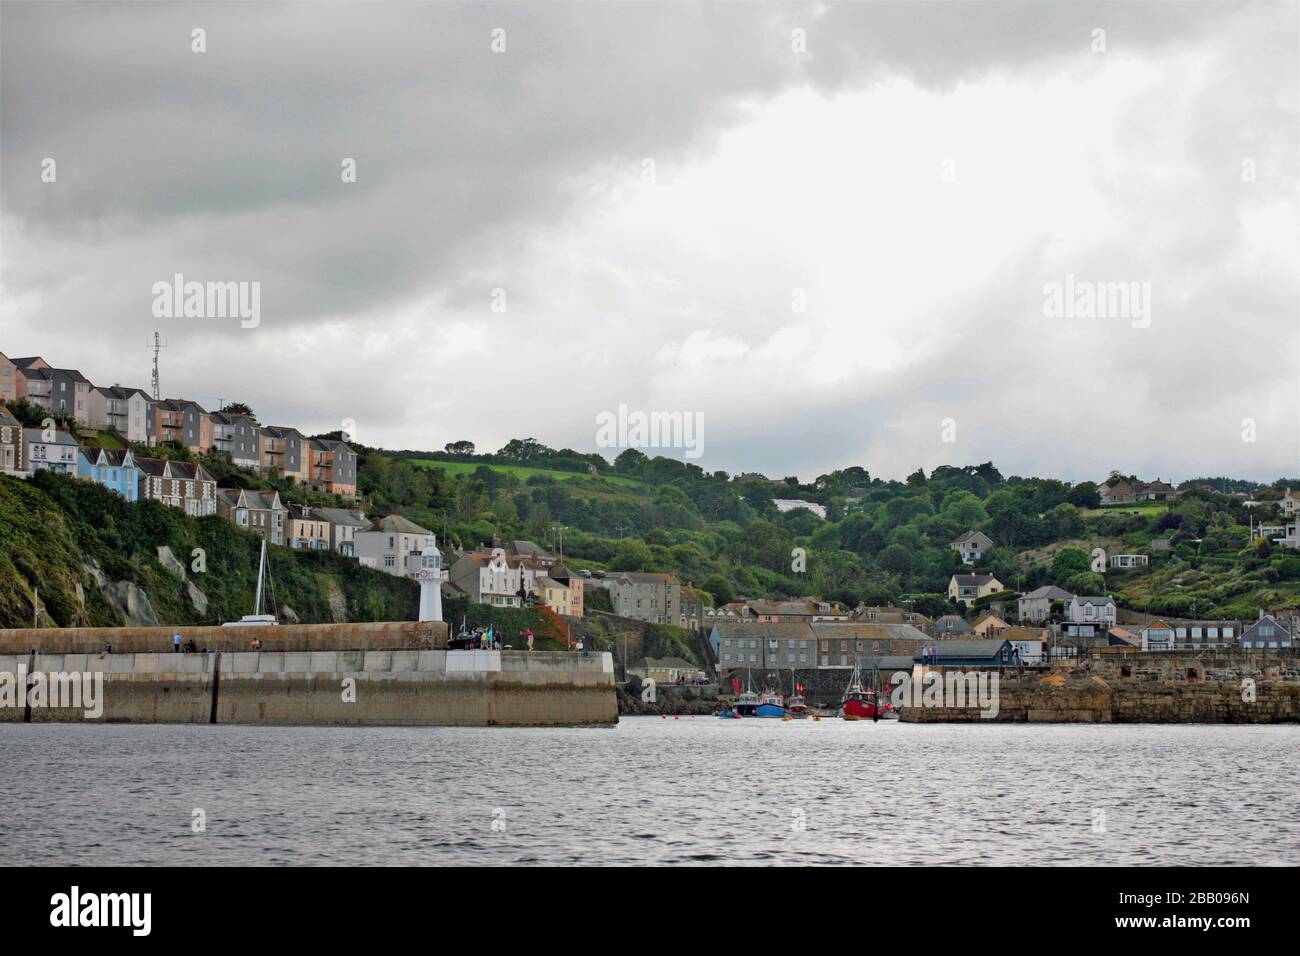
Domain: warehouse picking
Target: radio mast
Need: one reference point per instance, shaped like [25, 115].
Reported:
[153, 382]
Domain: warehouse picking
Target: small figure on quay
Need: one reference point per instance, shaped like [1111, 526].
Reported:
[176, 642]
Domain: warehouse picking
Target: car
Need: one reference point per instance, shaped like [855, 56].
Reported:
[584, 573]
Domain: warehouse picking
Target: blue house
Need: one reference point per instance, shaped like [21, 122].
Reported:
[114, 468]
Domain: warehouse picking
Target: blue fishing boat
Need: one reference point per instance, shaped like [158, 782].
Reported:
[770, 704]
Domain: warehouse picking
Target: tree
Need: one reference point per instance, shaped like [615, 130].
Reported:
[630, 462]
[632, 555]
[720, 588]
[1084, 495]
[1069, 562]
[896, 559]
[524, 450]
[238, 408]
[459, 448]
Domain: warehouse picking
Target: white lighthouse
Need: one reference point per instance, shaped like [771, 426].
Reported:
[430, 575]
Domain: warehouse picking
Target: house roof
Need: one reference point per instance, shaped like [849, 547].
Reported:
[527, 549]
[1049, 592]
[256, 500]
[861, 630]
[746, 629]
[973, 580]
[953, 623]
[113, 457]
[396, 524]
[342, 516]
[644, 577]
[166, 468]
[36, 436]
[7, 419]
[970, 536]
[888, 662]
[1101, 600]
[510, 560]
[968, 649]
[120, 391]
[1266, 619]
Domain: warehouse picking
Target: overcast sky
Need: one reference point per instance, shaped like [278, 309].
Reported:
[914, 175]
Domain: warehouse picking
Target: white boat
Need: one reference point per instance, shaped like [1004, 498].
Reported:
[257, 618]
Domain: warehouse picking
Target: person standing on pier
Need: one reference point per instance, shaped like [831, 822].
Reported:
[176, 642]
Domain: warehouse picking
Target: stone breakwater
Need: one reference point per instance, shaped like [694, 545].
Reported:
[424, 635]
[1225, 687]
[346, 687]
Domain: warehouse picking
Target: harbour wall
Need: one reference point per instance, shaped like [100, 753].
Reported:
[346, 687]
[1221, 687]
[384, 635]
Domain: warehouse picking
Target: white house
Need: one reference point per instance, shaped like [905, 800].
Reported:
[972, 546]
[1091, 610]
[388, 543]
[51, 451]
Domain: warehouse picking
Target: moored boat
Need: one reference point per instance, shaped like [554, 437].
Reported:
[770, 705]
[859, 701]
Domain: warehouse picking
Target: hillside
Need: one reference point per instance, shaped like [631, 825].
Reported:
[881, 541]
[94, 558]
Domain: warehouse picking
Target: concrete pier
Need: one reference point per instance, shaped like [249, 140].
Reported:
[389, 682]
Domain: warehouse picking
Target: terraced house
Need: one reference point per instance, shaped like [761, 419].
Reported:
[504, 581]
[237, 436]
[332, 467]
[13, 448]
[343, 526]
[260, 512]
[284, 451]
[178, 484]
[54, 451]
[656, 598]
[8, 379]
[124, 410]
[307, 530]
[114, 468]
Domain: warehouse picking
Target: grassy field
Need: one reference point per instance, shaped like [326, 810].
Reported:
[1144, 507]
[523, 472]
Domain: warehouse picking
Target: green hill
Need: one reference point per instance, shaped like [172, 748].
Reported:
[94, 558]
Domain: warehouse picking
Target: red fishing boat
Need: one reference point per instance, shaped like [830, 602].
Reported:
[859, 701]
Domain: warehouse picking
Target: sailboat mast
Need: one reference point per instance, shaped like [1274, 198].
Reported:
[261, 572]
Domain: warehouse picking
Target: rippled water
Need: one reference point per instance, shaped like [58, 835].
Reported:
[651, 791]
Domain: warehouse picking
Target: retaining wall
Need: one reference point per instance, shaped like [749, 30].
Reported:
[359, 687]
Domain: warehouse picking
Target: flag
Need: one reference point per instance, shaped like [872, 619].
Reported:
[735, 684]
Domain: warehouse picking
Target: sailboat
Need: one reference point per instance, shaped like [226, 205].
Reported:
[257, 618]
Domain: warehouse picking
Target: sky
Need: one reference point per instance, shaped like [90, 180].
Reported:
[830, 233]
